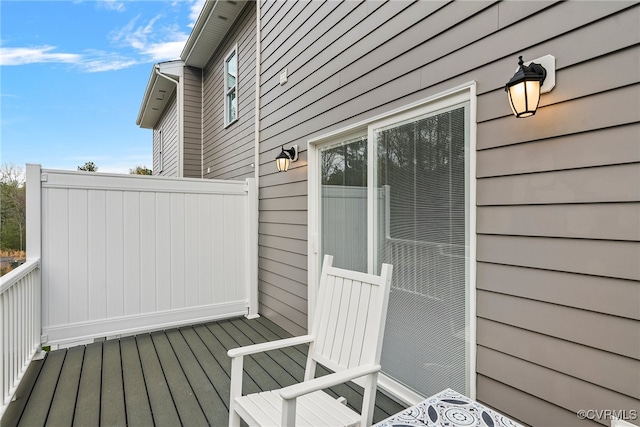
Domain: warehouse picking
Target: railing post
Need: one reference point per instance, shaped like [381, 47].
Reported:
[252, 246]
[34, 211]
[34, 244]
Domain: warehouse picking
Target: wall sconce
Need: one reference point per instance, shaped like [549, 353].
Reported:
[285, 158]
[528, 83]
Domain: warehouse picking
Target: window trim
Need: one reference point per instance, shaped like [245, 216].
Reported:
[462, 93]
[227, 92]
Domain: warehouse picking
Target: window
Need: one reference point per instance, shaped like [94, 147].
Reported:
[231, 87]
[398, 189]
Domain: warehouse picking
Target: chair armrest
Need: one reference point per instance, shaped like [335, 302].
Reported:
[271, 345]
[327, 381]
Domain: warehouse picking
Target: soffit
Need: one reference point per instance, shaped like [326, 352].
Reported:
[158, 93]
[215, 20]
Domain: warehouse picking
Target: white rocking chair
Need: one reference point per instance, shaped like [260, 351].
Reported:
[346, 337]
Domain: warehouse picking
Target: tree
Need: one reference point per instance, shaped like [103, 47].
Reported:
[88, 167]
[140, 170]
[13, 211]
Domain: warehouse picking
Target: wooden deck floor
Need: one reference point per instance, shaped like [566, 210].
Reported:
[169, 378]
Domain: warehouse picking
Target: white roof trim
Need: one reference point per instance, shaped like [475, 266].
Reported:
[215, 20]
[212, 25]
[158, 93]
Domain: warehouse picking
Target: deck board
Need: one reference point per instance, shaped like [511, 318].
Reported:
[87, 410]
[184, 398]
[43, 391]
[64, 400]
[166, 378]
[162, 407]
[203, 389]
[16, 408]
[112, 408]
[136, 400]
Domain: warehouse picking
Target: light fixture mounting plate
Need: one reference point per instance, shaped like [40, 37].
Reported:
[549, 64]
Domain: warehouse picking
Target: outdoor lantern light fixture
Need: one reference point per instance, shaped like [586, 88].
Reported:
[528, 83]
[285, 158]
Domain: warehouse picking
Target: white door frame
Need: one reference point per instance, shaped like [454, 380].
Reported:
[459, 94]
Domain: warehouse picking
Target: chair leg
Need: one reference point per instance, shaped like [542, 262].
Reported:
[369, 399]
[288, 413]
[235, 390]
[234, 418]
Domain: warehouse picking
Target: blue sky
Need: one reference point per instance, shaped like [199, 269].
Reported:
[73, 74]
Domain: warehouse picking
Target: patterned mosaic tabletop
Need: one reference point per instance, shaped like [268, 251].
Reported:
[448, 409]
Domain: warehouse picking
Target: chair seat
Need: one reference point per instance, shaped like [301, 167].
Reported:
[313, 409]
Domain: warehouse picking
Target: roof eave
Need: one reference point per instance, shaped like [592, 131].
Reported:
[158, 93]
[212, 25]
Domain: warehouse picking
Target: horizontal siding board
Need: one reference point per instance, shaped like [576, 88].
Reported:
[285, 230]
[294, 273]
[382, 27]
[289, 189]
[541, 27]
[583, 79]
[608, 109]
[283, 295]
[613, 221]
[285, 284]
[617, 373]
[616, 297]
[298, 203]
[605, 258]
[490, 76]
[284, 217]
[328, 22]
[565, 391]
[384, 64]
[285, 257]
[525, 407]
[618, 183]
[287, 25]
[282, 243]
[421, 33]
[275, 316]
[288, 312]
[380, 74]
[609, 146]
[299, 126]
[510, 13]
[557, 321]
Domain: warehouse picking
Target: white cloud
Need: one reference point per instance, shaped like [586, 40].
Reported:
[149, 41]
[34, 55]
[157, 44]
[116, 5]
[196, 8]
[92, 61]
[100, 65]
[165, 51]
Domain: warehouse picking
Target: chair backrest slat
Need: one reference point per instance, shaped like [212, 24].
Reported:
[350, 315]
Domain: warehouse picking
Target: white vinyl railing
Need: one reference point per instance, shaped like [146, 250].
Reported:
[423, 268]
[19, 326]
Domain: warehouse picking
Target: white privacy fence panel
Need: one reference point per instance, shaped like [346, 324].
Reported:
[123, 254]
[19, 326]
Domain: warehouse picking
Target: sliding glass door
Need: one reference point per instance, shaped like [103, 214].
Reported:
[420, 165]
[399, 193]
